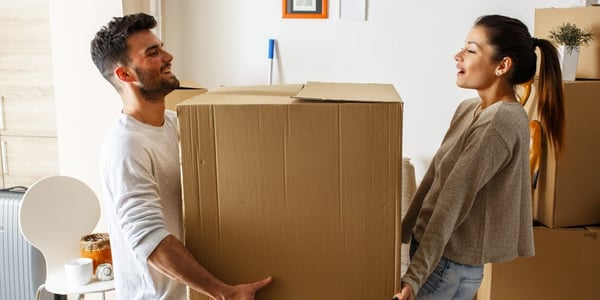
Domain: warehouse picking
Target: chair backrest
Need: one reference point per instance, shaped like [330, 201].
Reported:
[55, 213]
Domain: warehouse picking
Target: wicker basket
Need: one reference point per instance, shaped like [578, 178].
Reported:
[97, 247]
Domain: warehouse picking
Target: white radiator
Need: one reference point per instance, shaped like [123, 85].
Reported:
[22, 267]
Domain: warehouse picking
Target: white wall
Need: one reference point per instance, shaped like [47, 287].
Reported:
[85, 102]
[407, 43]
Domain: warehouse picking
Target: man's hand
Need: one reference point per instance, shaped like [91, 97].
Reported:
[174, 260]
[246, 291]
[406, 293]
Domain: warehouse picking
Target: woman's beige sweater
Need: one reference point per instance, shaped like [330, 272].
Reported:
[473, 205]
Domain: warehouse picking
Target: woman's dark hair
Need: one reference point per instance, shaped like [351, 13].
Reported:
[109, 46]
[510, 38]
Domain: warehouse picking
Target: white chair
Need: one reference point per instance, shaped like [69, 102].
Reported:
[55, 213]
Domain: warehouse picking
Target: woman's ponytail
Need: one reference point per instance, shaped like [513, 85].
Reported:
[550, 94]
[511, 38]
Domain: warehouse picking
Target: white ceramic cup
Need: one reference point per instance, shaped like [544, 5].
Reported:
[79, 271]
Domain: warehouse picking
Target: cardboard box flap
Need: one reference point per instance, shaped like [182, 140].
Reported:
[358, 92]
[247, 95]
[190, 85]
[186, 89]
[211, 98]
[266, 90]
[594, 228]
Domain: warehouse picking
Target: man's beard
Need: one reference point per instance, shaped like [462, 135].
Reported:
[155, 87]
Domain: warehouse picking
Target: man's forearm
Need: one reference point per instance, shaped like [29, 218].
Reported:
[172, 258]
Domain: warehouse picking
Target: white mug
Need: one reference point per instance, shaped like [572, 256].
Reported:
[79, 271]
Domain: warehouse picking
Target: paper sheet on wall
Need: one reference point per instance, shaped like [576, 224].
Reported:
[353, 10]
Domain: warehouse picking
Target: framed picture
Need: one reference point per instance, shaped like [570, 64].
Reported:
[316, 9]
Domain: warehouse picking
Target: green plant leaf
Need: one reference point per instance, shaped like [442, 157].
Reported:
[571, 35]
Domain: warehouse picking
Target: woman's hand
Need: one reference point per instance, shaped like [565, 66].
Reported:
[406, 293]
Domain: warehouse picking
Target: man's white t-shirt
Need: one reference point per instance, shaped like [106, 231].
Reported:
[142, 203]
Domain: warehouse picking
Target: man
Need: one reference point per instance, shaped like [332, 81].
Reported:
[141, 172]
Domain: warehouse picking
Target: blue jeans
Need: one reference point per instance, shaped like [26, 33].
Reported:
[449, 280]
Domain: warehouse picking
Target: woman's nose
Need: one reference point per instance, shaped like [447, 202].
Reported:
[458, 55]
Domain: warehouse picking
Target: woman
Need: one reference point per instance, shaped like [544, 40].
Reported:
[473, 205]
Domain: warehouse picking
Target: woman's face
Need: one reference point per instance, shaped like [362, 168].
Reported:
[476, 69]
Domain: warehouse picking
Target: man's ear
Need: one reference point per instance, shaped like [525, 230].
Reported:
[124, 74]
[504, 66]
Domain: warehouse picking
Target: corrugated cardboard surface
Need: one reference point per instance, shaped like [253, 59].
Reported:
[568, 191]
[586, 18]
[566, 266]
[187, 89]
[307, 192]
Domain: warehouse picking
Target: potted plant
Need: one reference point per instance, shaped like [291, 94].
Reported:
[570, 38]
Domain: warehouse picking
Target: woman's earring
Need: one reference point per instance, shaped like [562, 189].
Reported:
[498, 73]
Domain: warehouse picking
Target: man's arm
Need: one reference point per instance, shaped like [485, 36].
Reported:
[173, 259]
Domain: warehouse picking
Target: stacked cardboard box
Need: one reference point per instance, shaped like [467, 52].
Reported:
[299, 182]
[567, 192]
[566, 265]
[584, 17]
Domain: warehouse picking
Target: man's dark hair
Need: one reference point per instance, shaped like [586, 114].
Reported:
[109, 46]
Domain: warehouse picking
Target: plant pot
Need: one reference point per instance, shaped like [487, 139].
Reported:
[568, 57]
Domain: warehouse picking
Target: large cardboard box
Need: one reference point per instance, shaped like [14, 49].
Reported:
[186, 90]
[588, 17]
[566, 265]
[299, 182]
[568, 190]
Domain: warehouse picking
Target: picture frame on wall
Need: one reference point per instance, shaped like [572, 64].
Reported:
[305, 9]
